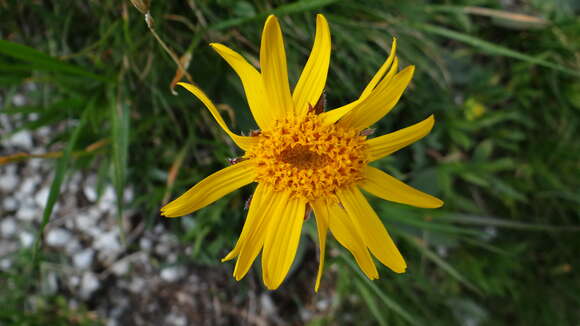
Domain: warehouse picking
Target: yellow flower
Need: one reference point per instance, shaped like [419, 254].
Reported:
[302, 158]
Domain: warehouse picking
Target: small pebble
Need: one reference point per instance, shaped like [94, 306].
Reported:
[84, 258]
[8, 182]
[173, 273]
[10, 203]
[5, 264]
[49, 283]
[22, 139]
[90, 189]
[58, 237]
[28, 185]
[27, 213]
[85, 222]
[8, 227]
[121, 267]
[26, 239]
[41, 197]
[18, 100]
[89, 284]
[137, 284]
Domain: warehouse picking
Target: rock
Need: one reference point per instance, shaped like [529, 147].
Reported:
[89, 284]
[90, 188]
[22, 139]
[323, 304]
[267, 304]
[8, 182]
[44, 131]
[74, 182]
[108, 245]
[5, 264]
[73, 246]
[84, 258]
[73, 281]
[137, 284]
[41, 197]
[18, 100]
[172, 273]
[145, 244]
[49, 284]
[58, 237]
[27, 212]
[128, 195]
[120, 267]
[26, 239]
[85, 222]
[10, 203]
[175, 319]
[8, 227]
[28, 185]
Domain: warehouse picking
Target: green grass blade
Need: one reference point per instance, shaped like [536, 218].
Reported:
[392, 304]
[494, 48]
[370, 301]
[120, 145]
[42, 61]
[498, 222]
[440, 262]
[291, 8]
[62, 165]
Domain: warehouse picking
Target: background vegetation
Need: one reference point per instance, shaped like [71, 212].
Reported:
[504, 154]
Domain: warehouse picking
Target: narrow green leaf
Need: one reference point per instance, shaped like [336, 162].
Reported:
[494, 48]
[291, 8]
[62, 165]
[392, 304]
[500, 222]
[370, 301]
[120, 145]
[440, 262]
[42, 61]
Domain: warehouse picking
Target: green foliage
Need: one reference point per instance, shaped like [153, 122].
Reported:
[504, 154]
[19, 307]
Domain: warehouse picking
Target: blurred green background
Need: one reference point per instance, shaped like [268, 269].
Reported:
[501, 77]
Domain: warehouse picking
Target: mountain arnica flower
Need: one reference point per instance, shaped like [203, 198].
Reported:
[304, 159]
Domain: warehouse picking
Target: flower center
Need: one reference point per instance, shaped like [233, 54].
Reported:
[301, 157]
[308, 158]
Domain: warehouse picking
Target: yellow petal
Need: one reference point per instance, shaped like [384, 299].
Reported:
[282, 237]
[346, 234]
[243, 142]
[332, 116]
[252, 238]
[274, 69]
[369, 225]
[382, 99]
[344, 230]
[391, 64]
[379, 75]
[322, 227]
[382, 146]
[211, 189]
[252, 82]
[253, 221]
[389, 188]
[313, 78]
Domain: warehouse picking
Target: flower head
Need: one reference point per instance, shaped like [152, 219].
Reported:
[302, 158]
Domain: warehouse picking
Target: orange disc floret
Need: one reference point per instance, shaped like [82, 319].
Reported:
[307, 157]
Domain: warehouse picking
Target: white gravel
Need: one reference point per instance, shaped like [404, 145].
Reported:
[8, 227]
[89, 284]
[58, 237]
[83, 259]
